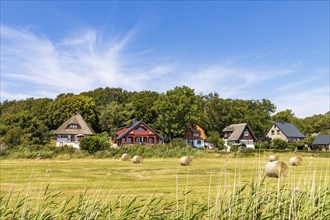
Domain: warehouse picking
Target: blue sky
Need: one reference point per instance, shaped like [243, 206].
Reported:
[277, 50]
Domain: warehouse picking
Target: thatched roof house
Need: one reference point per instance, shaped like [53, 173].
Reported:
[72, 130]
[238, 134]
[195, 137]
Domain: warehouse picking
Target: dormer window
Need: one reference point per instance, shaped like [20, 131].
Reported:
[73, 126]
[195, 134]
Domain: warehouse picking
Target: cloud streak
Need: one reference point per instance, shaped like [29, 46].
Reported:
[33, 65]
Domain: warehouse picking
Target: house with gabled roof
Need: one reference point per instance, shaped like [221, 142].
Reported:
[138, 133]
[239, 134]
[285, 131]
[195, 137]
[321, 142]
[72, 130]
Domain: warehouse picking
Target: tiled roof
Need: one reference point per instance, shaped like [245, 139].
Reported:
[289, 130]
[133, 126]
[322, 139]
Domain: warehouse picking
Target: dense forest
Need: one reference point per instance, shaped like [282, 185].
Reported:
[31, 121]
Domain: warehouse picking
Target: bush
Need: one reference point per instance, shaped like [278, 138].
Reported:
[3, 148]
[215, 138]
[179, 142]
[278, 143]
[92, 144]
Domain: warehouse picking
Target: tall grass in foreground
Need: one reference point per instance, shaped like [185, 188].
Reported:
[251, 201]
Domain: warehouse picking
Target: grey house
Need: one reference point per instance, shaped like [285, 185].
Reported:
[285, 131]
[321, 142]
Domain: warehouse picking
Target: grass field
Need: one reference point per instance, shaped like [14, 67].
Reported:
[207, 180]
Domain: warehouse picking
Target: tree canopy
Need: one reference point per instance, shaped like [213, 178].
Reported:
[31, 121]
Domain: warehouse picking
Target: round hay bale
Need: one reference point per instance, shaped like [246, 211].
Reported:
[186, 161]
[273, 158]
[296, 161]
[125, 157]
[276, 169]
[137, 159]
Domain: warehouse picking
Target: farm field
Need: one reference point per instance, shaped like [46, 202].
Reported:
[207, 180]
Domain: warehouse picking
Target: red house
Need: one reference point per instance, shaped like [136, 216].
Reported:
[138, 133]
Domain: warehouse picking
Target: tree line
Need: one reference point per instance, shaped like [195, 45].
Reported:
[31, 121]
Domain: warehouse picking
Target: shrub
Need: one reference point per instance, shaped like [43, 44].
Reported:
[3, 148]
[262, 145]
[278, 143]
[92, 144]
[179, 142]
[215, 138]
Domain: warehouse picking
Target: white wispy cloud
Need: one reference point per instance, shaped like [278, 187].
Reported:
[33, 65]
[74, 64]
[306, 102]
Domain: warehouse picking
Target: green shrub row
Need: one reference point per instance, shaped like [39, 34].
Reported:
[155, 151]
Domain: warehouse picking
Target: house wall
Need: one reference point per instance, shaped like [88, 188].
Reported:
[144, 139]
[321, 147]
[276, 135]
[195, 143]
[143, 136]
[249, 137]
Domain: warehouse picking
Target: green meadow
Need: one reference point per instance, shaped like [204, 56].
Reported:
[202, 190]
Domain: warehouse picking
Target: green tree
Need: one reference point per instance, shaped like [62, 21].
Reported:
[176, 109]
[111, 117]
[143, 106]
[65, 105]
[104, 96]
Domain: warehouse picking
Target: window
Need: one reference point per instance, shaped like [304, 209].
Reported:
[138, 140]
[246, 133]
[129, 140]
[73, 126]
[62, 136]
[199, 142]
[273, 132]
[278, 132]
[195, 134]
[225, 135]
[150, 140]
[123, 140]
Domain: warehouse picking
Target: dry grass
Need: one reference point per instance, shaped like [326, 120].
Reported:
[221, 188]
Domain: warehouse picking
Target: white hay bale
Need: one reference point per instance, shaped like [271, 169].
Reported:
[125, 157]
[137, 159]
[273, 158]
[276, 169]
[186, 161]
[296, 161]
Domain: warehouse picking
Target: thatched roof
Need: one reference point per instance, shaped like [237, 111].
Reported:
[237, 130]
[82, 128]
